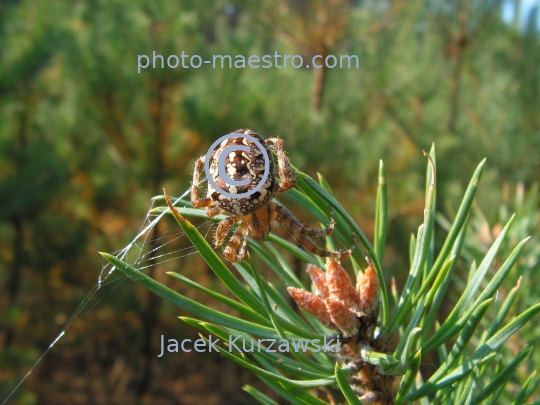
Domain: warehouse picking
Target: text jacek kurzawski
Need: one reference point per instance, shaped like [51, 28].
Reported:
[325, 344]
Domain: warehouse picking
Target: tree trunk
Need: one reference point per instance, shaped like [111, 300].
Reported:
[320, 82]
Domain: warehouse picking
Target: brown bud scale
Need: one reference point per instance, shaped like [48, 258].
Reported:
[318, 277]
[368, 290]
[312, 304]
[340, 285]
[344, 319]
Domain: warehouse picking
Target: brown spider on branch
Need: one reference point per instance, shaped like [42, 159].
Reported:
[257, 213]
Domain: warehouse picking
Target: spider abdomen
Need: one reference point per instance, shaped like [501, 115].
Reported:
[246, 166]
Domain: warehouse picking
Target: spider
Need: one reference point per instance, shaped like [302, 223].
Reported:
[257, 213]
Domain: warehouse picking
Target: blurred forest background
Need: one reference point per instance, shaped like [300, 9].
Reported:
[86, 141]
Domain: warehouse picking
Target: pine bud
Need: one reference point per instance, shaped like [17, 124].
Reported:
[367, 287]
[340, 315]
[318, 277]
[312, 304]
[340, 285]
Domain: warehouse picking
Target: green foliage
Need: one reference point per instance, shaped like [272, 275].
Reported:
[510, 301]
[464, 375]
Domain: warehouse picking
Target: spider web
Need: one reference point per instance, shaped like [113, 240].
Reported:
[148, 253]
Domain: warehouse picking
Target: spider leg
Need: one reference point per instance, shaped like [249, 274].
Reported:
[286, 174]
[195, 200]
[212, 211]
[243, 248]
[239, 239]
[301, 234]
[223, 230]
[310, 246]
[295, 227]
